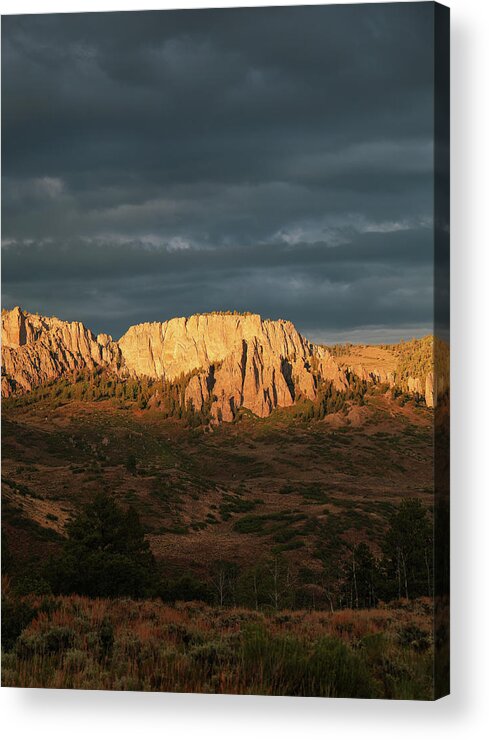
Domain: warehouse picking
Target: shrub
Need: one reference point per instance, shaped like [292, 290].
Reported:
[415, 638]
[286, 667]
[58, 639]
[106, 637]
[32, 583]
[184, 635]
[211, 655]
[51, 642]
[185, 588]
[75, 661]
[16, 615]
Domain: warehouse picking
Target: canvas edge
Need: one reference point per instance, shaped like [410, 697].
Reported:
[441, 349]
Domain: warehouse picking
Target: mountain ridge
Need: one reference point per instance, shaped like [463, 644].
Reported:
[235, 360]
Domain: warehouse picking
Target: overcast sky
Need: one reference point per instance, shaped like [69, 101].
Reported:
[273, 160]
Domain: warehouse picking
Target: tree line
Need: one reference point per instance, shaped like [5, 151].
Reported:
[100, 385]
[329, 400]
[168, 397]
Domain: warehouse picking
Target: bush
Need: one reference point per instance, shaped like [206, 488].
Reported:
[286, 667]
[16, 615]
[57, 640]
[106, 637]
[32, 584]
[415, 638]
[183, 635]
[54, 641]
[185, 588]
[211, 655]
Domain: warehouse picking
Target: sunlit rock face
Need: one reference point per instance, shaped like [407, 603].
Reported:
[37, 349]
[229, 360]
[242, 360]
[181, 345]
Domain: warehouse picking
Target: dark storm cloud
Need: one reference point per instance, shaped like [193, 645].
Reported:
[273, 160]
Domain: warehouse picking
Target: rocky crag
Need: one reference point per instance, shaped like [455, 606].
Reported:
[231, 360]
[407, 366]
[37, 349]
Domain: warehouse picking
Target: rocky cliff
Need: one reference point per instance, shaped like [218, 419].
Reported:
[243, 360]
[229, 361]
[37, 349]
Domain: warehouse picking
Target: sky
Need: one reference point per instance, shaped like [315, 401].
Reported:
[273, 160]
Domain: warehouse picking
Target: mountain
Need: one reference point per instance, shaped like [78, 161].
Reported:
[226, 360]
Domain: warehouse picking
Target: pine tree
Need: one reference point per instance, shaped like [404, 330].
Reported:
[106, 553]
[407, 549]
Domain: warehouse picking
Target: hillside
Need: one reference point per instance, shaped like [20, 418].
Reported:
[282, 485]
[407, 366]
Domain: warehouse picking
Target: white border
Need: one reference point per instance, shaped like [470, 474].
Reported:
[43, 714]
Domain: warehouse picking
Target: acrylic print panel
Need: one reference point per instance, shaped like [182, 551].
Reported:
[225, 351]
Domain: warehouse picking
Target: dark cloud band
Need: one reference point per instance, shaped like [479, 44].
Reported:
[277, 160]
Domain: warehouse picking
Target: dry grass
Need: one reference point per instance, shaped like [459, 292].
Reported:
[370, 357]
[122, 644]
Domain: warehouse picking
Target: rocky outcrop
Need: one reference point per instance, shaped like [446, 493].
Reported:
[227, 361]
[180, 345]
[243, 361]
[253, 378]
[430, 390]
[37, 349]
[373, 375]
[233, 360]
